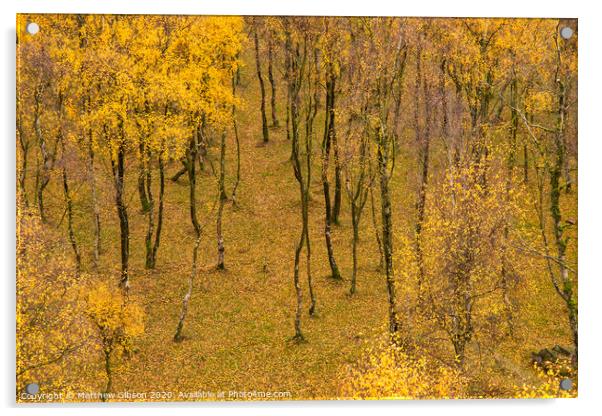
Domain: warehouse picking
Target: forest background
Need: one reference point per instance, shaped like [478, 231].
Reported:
[474, 163]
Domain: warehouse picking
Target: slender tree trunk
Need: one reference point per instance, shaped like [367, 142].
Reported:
[69, 205]
[525, 164]
[566, 169]
[118, 167]
[358, 202]
[222, 201]
[312, 295]
[294, 80]
[328, 134]
[567, 289]
[197, 233]
[387, 227]
[237, 141]
[312, 111]
[288, 114]
[24, 144]
[355, 225]
[95, 209]
[376, 225]
[179, 173]
[150, 213]
[160, 213]
[510, 163]
[423, 138]
[296, 280]
[142, 176]
[275, 122]
[236, 78]
[48, 157]
[336, 208]
[37, 181]
[109, 374]
[264, 122]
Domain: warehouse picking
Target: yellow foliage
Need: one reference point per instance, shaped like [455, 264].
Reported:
[53, 335]
[387, 372]
[118, 321]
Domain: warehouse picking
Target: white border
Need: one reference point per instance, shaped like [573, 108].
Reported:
[590, 202]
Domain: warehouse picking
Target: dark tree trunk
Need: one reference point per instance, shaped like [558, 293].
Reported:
[95, 209]
[525, 164]
[150, 213]
[159, 214]
[192, 154]
[24, 144]
[275, 122]
[142, 177]
[264, 122]
[109, 374]
[566, 288]
[179, 173]
[358, 201]
[376, 225]
[328, 134]
[311, 112]
[237, 141]
[510, 163]
[387, 227]
[423, 140]
[69, 210]
[336, 208]
[222, 201]
[288, 114]
[354, 250]
[294, 79]
[118, 167]
[48, 157]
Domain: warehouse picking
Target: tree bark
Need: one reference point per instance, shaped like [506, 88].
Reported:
[311, 112]
[192, 154]
[222, 201]
[294, 79]
[336, 208]
[118, 167]
[159, 214]
[510, 163]
[387, 233]
[178, 174]
[566, 287]
[69, 209]
[359, 198]
[381, 253]
[275, 122]
[237, 141]
[24, 144]
[264, 122]
[48, 157]
[142, 177]
[150, 213]
[95, 209]
[423, 141]
[108, 372]
[328, 134]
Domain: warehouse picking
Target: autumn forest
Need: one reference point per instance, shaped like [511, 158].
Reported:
[295, 208]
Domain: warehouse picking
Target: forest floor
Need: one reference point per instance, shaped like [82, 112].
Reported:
[240, 321]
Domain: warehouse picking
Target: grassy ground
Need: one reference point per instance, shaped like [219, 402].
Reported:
[240, 320]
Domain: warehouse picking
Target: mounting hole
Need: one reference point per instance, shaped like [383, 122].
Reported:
[32, 28]
[566, 384]
[32, 388]
[566, 32]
